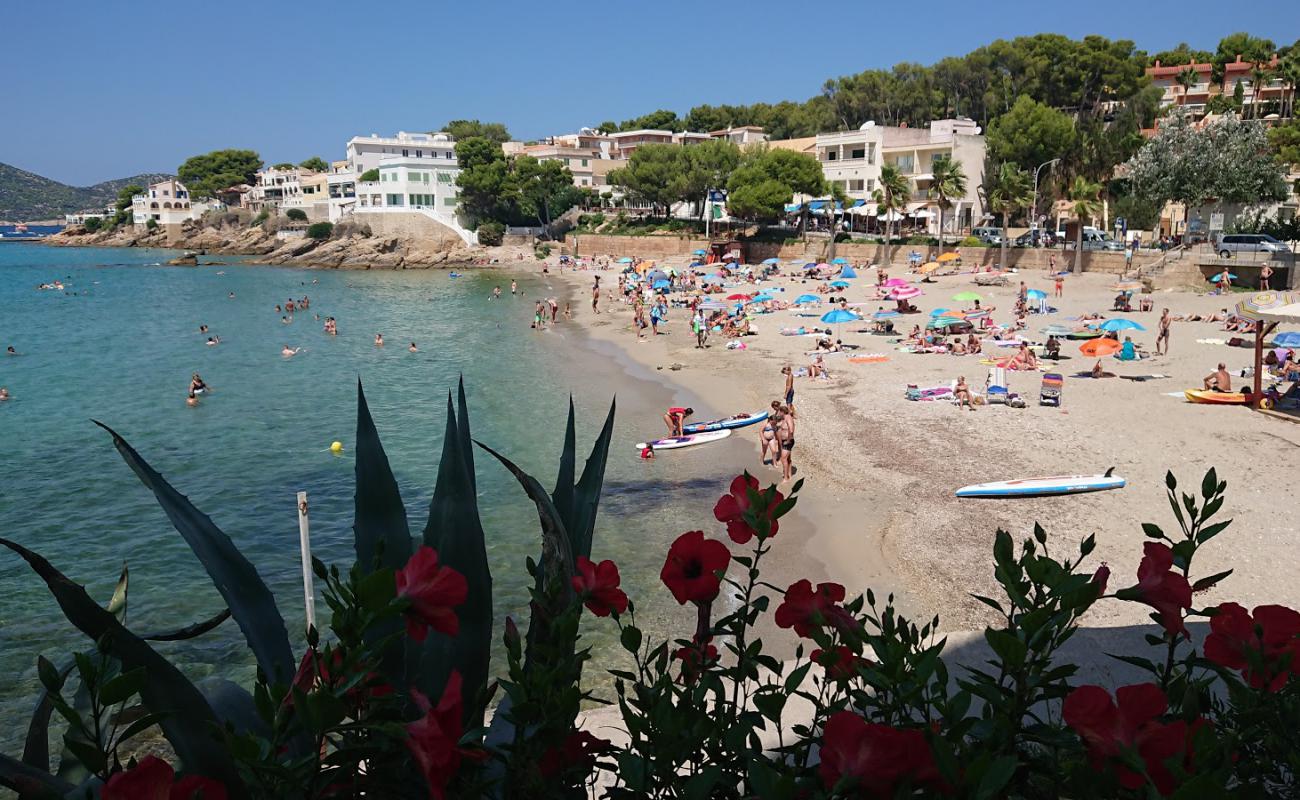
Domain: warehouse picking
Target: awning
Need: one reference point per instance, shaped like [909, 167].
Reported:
[816, 204]
[924, 176]
[793, 208]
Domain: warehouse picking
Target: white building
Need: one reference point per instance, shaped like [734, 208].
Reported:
[852, 159]
[342, 189]
[293, 187]
[742, 135]
[366, 152]
[166, 203]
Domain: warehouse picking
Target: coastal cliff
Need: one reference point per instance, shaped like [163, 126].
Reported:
[351, 246]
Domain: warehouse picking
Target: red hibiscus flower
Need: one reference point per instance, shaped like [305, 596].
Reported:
[579, 750]
[316, 671]
[597, 585]
[876, 758]
[1109, 728]
[1100, 578]
[840, 662]
[695, 659]
[433, 739]
[805, 609]
[1158, 586]
[1264, 646]
[693, 570]
[433, 591]
[731, 509]
[154, 779]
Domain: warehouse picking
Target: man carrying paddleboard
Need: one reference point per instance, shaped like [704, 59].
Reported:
[675, 418]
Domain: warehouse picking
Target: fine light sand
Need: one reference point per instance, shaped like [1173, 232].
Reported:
[878, 509]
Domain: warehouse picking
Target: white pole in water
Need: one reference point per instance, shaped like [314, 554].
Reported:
[304, 540]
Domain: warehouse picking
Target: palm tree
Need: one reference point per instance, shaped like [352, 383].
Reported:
[1010, 189]
[1260, 76]
[890, 197]
[949, 182]
[1187, 78]
[1289, 72]
[1083, 193]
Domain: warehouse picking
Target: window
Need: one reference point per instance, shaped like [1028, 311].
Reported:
[419, 154]
[449, 201]
[871, 184]
[871, 152]
[444, 177]
[858, 153]
[584, 162]
[855, 185]
[405, 152]
[831, 155]
[393, 199]
[904, 164]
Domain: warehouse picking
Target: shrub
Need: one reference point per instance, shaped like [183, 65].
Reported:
[320, 230]
[93, 224]
[369, 176]
[542, 252]
[296, 215]
[491, 233]
[971, 241]
[922, 240]
[261, 218]
[151, 224]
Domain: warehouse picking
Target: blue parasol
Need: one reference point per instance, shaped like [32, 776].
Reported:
[1288, 339]
[625, 260]
[698, 253]
[840, 284]
[848, 272]
[660, 284]
[839, 261]
[807, 298]
[1120, 324]
[839, 315]
[771, 261]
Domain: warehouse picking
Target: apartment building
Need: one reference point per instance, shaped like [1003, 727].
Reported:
[851, 159]
[742, 136]
[365, 153]
[165, 203]
[291, 187]
[411, 182]
[341, 187]
[580, 161]
[1195, 96]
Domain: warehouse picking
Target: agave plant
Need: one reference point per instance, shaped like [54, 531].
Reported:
[189, 718]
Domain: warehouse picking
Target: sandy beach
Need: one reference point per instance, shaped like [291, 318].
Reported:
[878, 509]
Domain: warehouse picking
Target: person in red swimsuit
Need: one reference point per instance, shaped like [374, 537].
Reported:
[675, 418]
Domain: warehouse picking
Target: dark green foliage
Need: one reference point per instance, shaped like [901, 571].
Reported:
[93, 224]
[491, 233]
[296, 214]
[315, 164]
[465, 128]
[28, 196]
[209, 173]
[283, 165]
[320, 230]
[250, 601]
[369, 176]
[151, 223]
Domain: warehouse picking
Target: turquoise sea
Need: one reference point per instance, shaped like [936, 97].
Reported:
[119, 344]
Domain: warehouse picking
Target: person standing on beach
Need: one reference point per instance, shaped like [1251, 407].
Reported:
[1265, 272]
[1060, 286]
[595, 297]
[785, 433]
[789, 387]
[701, 325]
[675, 419]
[555, 308]
[1162, 337]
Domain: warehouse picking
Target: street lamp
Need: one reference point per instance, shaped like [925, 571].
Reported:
[1033, 208]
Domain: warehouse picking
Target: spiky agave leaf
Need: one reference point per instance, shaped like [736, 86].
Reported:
[379, 522]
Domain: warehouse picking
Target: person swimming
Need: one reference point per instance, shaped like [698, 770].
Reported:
[10, 351]
[213, 341]
[4, 393]
[288, 351]
[413, 348]
[379, 340]
[197, 386]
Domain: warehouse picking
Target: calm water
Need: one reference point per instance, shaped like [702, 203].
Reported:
[119, 346]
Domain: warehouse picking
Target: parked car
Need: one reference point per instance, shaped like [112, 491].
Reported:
[1094, 239]
[1039, 237]
[987, 235]
[1233, 243]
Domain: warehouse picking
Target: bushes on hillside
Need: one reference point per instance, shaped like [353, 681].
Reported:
[491, 234]
[93, 224]
[296, 215]
[320, 230]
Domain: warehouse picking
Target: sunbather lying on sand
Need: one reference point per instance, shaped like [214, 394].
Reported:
[1024, 359]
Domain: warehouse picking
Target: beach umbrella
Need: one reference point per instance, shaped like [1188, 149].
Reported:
[948, 257]
[660, 284]
[1251, 307]
[839, 315]
[625, 260]
[1055, 330]
[698, 253]
[1288, 339]
[942, 322]
[1036, 294]
[886, 314]
[848, 272]
[761, 298]
[656, 275]
[807, 298]
[1127, 286]
[930, 266]
[967, 297]
[771, 261]
[737, 297]
[1096, 348]
[839, 261]
[939, 312]
[1218, 275]
[904, 293]
[1120, 324]
[823, 265]
[712, 279]
[839, 284]
[895, 282]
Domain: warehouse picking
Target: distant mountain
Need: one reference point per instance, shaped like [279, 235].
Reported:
[27, 196]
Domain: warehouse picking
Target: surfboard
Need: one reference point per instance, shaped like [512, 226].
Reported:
[727, 423]
[1043, 487]
[678, 442]
[1215, 398]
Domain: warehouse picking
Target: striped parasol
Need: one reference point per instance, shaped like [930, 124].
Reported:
[904, 292]
[1251, 307]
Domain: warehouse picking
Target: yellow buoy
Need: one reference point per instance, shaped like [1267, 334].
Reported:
[336, 447]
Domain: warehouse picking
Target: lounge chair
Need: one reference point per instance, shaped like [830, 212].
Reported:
[1050, 393]
[996, 387]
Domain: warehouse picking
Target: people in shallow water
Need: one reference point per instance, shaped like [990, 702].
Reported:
[197, 385]
[10, 351]
[213, 341]
[288, 351]
[4, 393]
[191, 399]
[379, 340]
[413, 348]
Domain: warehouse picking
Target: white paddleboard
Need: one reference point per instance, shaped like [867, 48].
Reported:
[738, 421]
[678, 442]
[1042, 487]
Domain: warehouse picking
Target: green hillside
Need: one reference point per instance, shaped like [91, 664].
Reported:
[27, 196]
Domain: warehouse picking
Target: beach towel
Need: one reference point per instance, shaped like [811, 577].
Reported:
[871, 358]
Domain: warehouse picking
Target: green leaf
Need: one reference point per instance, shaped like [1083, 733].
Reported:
[117, 604]
[586, 496]
[190, 631]
[36, 748]
[379, 518]
[631, 639]
[377, 590]
[28, 781]
[90, 756]
[139, 726]
[1171, 482]
[247, 596]
[1206, 583]
[1210, 531]
[1010, 649]
[122, 688]
[563, 493]
[1152, 531]
[191, 725]
[50, 676]
[1209, 483]
[455, 530]
[700, 786]
[996, 777]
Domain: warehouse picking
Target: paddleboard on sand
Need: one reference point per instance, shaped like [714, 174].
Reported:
[678, 442]
[1215, 398]
[1042, 487]
[727, 423]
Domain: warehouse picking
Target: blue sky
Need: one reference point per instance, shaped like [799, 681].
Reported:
[107, 88]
